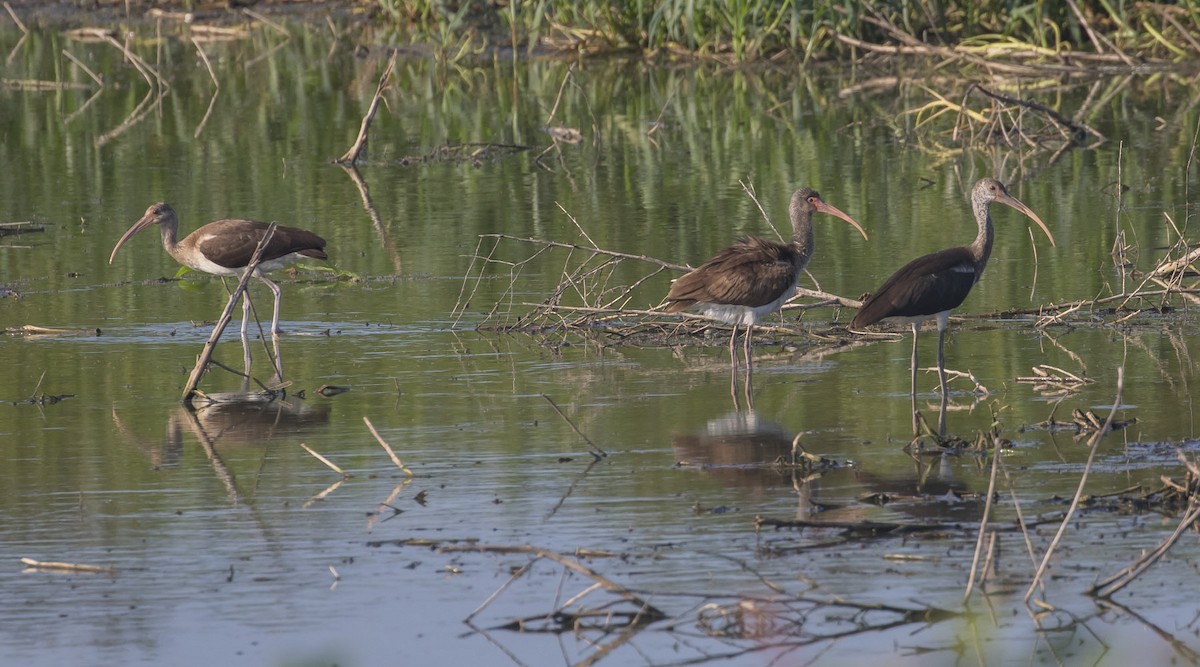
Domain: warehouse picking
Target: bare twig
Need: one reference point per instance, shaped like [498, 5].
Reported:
[351, 156]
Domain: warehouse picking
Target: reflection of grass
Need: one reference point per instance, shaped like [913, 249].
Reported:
[746, 30]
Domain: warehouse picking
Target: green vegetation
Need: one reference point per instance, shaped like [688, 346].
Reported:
[747, 30]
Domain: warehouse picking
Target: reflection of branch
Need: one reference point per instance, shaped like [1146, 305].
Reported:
[365, 193]
[645, 612]
[1186, 652]
[216, 91]
[153, 79]
[596, 452]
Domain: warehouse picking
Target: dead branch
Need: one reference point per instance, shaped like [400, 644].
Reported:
[1078, 130]
[360, 144]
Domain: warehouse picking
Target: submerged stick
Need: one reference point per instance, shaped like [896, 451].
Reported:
[210, 345]
[586, 439]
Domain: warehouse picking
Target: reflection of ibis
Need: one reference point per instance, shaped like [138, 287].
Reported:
[753, 277]
[224, 247]
[930, 287]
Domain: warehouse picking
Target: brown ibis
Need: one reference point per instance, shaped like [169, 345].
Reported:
[930, 287]
[224, 247]
[754, 276]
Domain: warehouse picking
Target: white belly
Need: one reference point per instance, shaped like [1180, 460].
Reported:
[742, 315]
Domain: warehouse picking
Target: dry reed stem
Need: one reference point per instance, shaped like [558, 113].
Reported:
[66, 567]
[388, 448]
[210, 345]
[332, 466]
[1093, 446]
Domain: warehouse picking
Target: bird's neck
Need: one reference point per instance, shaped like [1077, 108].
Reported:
[170, 244]
[802, 238]
[982, 247]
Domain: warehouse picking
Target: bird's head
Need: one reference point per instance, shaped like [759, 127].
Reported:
[158, 214]
[988, 190]
[807, 201]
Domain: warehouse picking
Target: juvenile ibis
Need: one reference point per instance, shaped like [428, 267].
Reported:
[930, 287]
[754, 276]
[224, 247]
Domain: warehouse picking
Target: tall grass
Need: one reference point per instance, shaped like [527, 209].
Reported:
[746, 30]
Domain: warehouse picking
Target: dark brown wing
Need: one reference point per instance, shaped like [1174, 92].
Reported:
[231, 243]
[753, 272]
[925, 286]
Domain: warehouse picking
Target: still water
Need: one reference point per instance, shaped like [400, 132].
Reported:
[229, 543]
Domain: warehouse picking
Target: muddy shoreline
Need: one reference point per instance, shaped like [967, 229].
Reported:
[56, 15]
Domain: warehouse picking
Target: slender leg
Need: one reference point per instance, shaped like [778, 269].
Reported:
[942, 320]
[278, 360]
[732, 353]
[733, 365]
[746, 349]
[912, 394]
[275, 331]
[245, 331]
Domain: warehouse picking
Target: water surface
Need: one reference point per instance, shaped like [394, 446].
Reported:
[222, 549]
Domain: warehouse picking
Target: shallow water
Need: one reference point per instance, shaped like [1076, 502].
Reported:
[223, 530]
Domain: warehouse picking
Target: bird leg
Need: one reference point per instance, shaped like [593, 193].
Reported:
[275, 330]
[732, 338]
[942, 320]
[278, 360]
[916, 326]
[749, 336]
[245, 333]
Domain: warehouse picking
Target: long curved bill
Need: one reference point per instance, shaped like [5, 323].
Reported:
[138, 226]
[833, 210]
[1009, 200]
